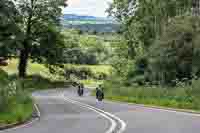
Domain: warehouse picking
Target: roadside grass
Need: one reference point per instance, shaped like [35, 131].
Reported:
[181, 97]
[18, 113]
[15, 104]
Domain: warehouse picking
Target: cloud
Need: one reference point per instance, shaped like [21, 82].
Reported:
[87, 7]
[74, 2]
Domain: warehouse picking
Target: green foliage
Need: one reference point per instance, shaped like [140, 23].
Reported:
[10, 32]
[11, 94]
[85, 49]
[79, 56]
[32, 29]
[158, 60]
[139, 79]
[86, 72]
[39, 76]
[140, 67]
[82, 73]
[161, 40]
[119, 59]
[15, 103]
[3, 77]
[143, 21]
[175, 53]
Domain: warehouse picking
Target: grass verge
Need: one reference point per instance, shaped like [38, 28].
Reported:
[16, 105]
[182, 97]
[18, 113]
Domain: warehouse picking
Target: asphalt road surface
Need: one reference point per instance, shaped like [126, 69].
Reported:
[62, 111]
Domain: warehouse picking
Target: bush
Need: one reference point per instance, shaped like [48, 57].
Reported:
[141, 65]
[3, 77]
[99, 75]
[84, 72]
[80, 72]
[13, 94]
[140, 80]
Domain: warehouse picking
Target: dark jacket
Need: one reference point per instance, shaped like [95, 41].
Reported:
[80, 91]
[99, 95]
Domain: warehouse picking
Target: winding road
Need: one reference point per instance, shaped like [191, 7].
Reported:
[62, 111]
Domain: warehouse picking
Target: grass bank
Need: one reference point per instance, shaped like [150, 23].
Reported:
[18, 113]
[16, 104]
[181, 97]
[38, 77]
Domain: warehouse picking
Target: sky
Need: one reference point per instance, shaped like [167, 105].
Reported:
[87, 7]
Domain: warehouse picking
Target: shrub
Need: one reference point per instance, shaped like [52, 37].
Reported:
[80, 72]
[13, 94]
[140, 80]
[99, 75]
[3, 77]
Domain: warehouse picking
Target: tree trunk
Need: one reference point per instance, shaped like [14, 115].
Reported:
[24, 53]
[23, 61]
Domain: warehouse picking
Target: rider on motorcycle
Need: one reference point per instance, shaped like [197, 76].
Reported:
[80, 89]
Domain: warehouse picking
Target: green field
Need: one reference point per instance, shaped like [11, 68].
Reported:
[39, 73]
[33, 69]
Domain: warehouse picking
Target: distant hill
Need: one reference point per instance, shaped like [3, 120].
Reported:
[74, 17]
[78, 17]
[89, 23]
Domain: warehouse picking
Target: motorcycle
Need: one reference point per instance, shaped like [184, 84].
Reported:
[80, 91]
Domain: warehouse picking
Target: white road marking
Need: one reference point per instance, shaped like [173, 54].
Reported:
[113, 123]
[38, 111]
[174, 111]
[162, 109]
[106, 115]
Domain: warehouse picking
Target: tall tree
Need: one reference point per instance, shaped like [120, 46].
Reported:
[40, 20]
[144, 20]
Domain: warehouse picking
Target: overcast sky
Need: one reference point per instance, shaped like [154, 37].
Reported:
[87, 7]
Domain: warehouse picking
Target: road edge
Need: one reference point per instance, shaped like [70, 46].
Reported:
[157, 107]
[154, 106]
